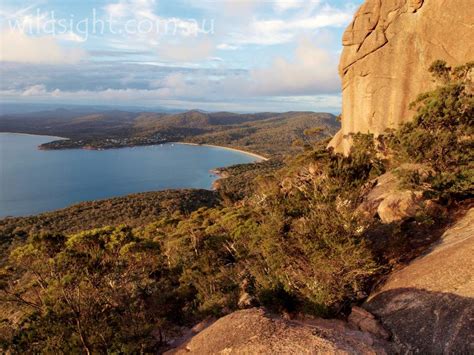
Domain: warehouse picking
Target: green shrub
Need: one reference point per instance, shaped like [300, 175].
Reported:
[95, 291]
[441, 133]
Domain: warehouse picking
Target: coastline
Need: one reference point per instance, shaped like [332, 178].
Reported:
[217, 174]
[263, 158]
[36, 135]
[258, 156]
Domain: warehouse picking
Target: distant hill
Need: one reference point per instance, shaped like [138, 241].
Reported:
[69, 123]
[9, 108]
[265, 133]
[274, 134]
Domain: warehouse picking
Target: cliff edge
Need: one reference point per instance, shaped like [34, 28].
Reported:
[388, 49]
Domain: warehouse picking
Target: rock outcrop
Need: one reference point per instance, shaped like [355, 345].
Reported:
[388, 49]
[388, 200]
[428, 306]
[253, 331]
[366, 322]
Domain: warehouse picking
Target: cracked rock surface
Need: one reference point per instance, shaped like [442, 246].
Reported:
[388, 49]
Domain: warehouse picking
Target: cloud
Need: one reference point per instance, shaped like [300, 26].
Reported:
[35, 90]
[227, 7]
[240, 7]
[310, 71]
[282, 22]
[71, 37]
[158, 97]
[187, 50]
[285, 30]
[183, 67]
[40, 90]
[127, 8]
[285, 5]
[227, 47]
[173, 38]
[19, 47]
[313, 70]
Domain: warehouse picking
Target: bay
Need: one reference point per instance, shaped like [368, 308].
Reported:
[34, 181]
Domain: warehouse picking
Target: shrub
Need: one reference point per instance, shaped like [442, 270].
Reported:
[441, 133]
[95, 291]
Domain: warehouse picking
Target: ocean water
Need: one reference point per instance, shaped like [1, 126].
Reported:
[34, 181]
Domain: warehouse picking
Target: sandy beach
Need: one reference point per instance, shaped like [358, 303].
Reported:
[228, 148]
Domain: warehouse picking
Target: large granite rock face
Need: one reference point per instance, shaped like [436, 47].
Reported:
[253, 331]
[428, 306]
[388, 49]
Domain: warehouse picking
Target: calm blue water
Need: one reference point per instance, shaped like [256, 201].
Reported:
[34, 181]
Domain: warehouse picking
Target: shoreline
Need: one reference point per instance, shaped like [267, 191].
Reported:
[263, 158]
[255, 155]
[36, 135]
[217, 175]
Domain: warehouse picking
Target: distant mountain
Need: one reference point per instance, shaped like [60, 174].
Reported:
[8, 108]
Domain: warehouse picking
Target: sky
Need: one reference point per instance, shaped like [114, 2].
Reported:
[233, 55]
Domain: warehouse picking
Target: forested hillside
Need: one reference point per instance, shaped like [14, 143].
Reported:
[260, 132]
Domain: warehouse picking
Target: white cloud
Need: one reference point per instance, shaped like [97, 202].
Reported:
[284, 29]
[19, 47]
[227, 47]
[35, 90]
[173, 38]
[134, 8]
[240, 7]
[313, 70]
[285, 5]
[155, 97]
[40, 90]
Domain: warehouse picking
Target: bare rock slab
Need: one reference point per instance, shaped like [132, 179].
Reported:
[429, 305]
[253, 331]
